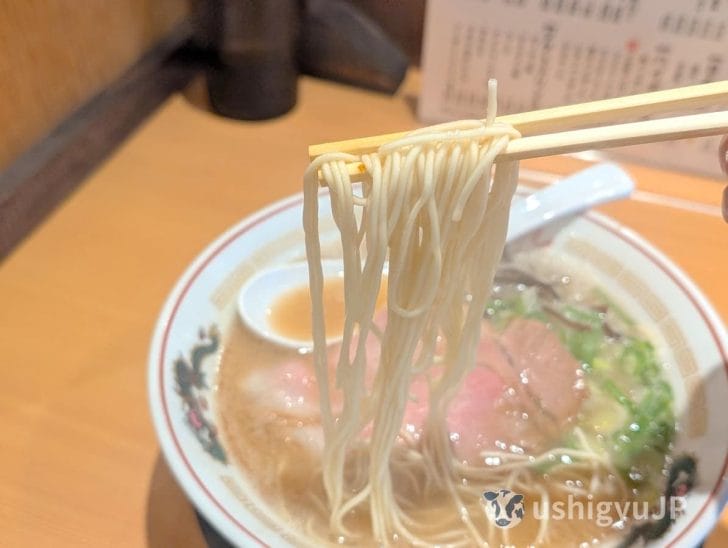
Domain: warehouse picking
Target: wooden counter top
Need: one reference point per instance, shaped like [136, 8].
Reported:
[79, 464]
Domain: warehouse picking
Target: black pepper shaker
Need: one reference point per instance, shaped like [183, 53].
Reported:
[253, 72]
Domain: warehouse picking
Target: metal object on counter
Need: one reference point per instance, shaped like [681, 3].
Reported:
[340, 43]
[258, 47]
[253, 70]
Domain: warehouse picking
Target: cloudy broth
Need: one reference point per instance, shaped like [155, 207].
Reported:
[278, 449]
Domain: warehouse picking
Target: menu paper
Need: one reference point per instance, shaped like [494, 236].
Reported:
[548, 53]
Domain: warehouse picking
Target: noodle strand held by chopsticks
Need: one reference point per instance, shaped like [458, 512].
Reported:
[437, 210]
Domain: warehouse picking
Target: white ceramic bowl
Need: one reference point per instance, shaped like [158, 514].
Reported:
[647, 284]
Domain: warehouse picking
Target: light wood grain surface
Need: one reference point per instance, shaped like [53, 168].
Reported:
[57, 53]
[79, 464]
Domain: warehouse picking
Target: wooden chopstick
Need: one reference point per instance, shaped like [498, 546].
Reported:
[632, 133]
[572, 116]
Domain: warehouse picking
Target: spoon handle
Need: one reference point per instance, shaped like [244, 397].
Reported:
[583, 190]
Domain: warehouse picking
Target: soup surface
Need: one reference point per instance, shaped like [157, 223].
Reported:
[290, 314]
[566, 407]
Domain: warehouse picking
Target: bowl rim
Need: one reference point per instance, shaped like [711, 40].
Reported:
[216, 513]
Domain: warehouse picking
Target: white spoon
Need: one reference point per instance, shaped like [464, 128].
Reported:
[567, 198]
[259, 294]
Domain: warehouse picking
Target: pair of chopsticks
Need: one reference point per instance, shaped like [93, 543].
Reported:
[554, 130]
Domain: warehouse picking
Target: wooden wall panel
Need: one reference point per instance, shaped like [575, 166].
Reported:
[56, 54]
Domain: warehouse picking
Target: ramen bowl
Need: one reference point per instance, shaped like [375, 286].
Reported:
[191, 333]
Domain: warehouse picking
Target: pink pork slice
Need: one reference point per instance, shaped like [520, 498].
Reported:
[522, 393]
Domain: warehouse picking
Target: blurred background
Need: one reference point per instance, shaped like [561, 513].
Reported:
[89, 72]
[59, 54]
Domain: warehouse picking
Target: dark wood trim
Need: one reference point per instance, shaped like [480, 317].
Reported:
[41, 178]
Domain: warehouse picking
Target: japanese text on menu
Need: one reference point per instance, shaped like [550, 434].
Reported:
[554, 52]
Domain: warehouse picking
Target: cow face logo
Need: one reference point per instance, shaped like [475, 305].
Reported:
[504, 508]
